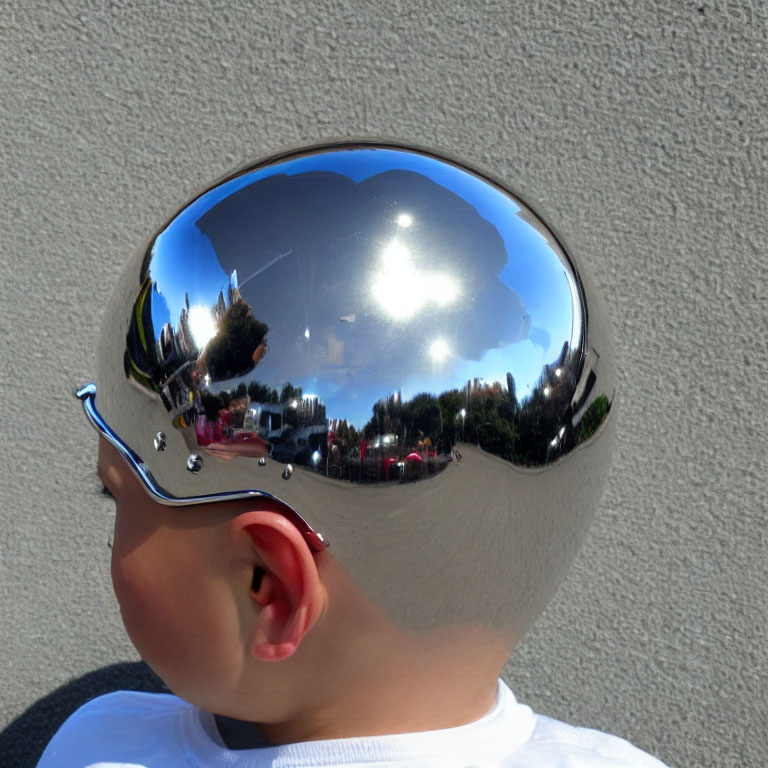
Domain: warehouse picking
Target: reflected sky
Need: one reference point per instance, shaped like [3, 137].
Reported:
[376, 270]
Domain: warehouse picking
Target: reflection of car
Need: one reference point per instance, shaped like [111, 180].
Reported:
[300, 445]
[284, 447]
[378, 468]
[388, 470]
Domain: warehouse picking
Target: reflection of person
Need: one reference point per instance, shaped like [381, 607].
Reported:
[259, 353]
[239, 344]
[276, 655]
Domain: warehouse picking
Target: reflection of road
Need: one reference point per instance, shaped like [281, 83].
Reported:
[530, 520]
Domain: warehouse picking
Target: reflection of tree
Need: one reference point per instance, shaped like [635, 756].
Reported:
[226, 398]
[261, 393]
[535, 431]
[413, 422]
[594, 416]
[408, 439]
[493, 419]
[423, 417]
[289, 393]
[348, 436]
[233, 350]
[543, 419]
[290, 397]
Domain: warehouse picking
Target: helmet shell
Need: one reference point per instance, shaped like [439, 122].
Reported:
[394, 346]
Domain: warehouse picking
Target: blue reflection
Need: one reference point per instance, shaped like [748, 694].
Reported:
[184, 248]
[161, 315]
[309, 235]
[530, 254]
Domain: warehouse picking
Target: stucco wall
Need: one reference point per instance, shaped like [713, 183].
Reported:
[639, 129]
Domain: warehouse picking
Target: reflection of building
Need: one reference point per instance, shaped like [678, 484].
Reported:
[184, 334]
[221, 306]
[233, 290]
[266, 419]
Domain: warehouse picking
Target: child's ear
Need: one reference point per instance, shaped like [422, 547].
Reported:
[286, 584]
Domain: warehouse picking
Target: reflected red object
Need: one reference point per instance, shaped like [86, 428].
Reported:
[208, 432]
[242, 444]
[201, 431]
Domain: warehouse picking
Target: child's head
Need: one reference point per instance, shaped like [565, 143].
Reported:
[237, 614]
[360, 346]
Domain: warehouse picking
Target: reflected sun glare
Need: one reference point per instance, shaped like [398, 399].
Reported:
[401, 289]
[201, 324]
[439, 351]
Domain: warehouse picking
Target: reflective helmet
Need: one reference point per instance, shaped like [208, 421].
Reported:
[394, 347]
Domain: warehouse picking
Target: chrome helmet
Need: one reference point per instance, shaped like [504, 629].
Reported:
[393, 346]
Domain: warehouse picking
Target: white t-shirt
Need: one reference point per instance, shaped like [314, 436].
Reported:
[150, 730]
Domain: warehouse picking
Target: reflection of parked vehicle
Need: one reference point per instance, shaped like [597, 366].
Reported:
[303, 445]
[266, 419]
[285, 447]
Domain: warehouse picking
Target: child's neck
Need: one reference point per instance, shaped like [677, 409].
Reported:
[369, 713]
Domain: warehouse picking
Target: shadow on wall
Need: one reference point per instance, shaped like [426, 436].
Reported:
[24, 740]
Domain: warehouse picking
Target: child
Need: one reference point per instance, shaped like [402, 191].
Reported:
[355, 407]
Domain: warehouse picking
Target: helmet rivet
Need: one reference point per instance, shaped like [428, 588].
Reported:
[194, 462]
[287, 472]
[160, 441]
[262, 461]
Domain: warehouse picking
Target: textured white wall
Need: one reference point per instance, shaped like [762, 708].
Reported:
[639, 129]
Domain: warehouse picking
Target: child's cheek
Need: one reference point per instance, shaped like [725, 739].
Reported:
[142, 620]
[149, 611]
[173, 619]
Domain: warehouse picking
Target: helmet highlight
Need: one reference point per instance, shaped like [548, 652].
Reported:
[390, 344]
